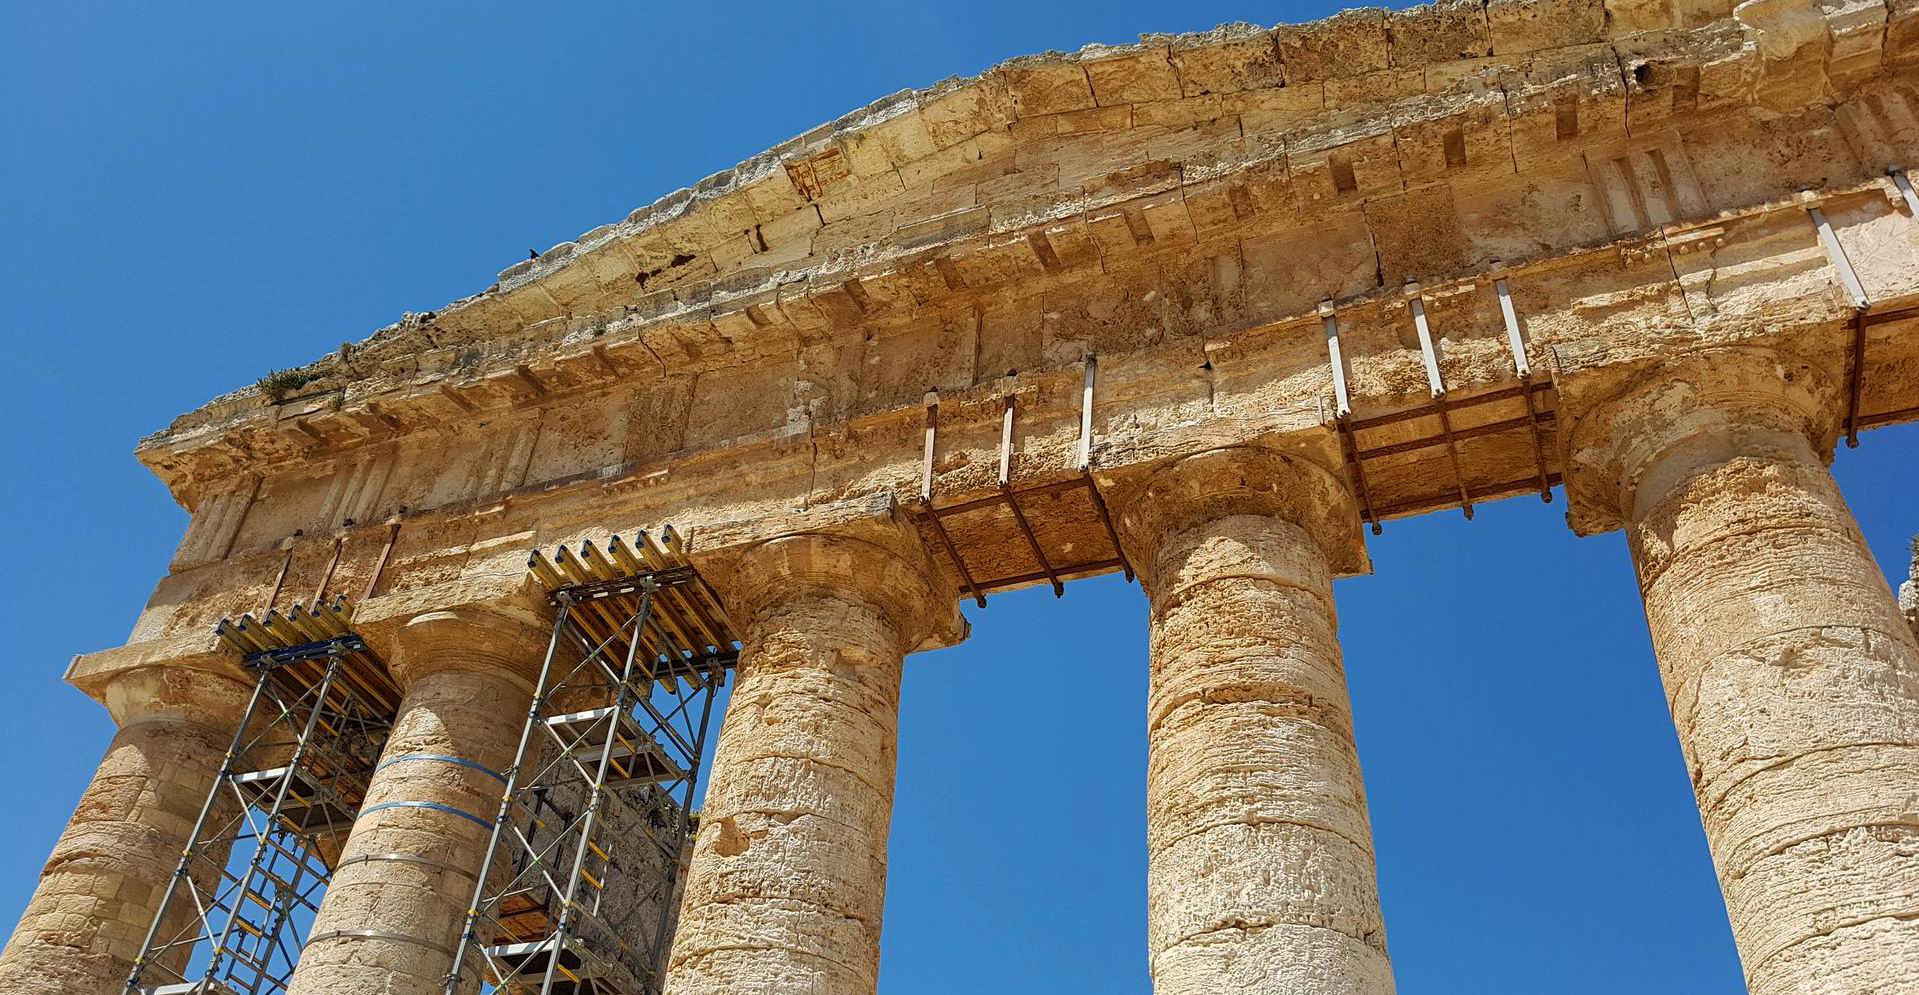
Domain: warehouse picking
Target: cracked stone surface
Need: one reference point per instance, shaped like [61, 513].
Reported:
[468, 679]
[1261, 873]
[1792, 677]
[103, 883]
[751, 358]
[787, 884]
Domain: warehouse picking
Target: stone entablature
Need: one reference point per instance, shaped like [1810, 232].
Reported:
[1641, 188]
[480, 492]
[1240, 175]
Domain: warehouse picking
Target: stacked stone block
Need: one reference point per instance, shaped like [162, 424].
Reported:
[102, 885]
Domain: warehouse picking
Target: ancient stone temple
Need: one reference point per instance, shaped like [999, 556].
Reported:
[419, 705]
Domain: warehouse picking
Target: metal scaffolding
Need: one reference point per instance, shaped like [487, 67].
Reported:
[1069, 559]
[579, 891]
[235, 914]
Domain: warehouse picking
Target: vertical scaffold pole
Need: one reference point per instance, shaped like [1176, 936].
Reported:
[273, 811]
[590, 817]
[184, 868]
[468, 933]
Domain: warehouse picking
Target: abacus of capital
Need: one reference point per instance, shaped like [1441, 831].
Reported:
[1206, 309]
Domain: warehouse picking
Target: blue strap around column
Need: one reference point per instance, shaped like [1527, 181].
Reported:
[441, 758]
[435, 806]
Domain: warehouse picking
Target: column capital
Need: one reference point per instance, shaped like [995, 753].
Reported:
[884, 565]
[207, 688]
[1705, 407]
[100, 888]
[507, 638]
[1240, 480]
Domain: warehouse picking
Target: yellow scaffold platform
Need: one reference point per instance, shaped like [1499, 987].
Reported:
[262, 851]
[688, 623]
[580, 892]
[257, 639]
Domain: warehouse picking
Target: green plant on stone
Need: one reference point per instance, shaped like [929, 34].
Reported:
[278, 384]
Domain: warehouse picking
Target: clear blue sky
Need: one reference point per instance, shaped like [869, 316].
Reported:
[194, 194]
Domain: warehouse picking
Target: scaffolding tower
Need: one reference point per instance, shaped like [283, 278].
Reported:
[235, 914]
[579, 891]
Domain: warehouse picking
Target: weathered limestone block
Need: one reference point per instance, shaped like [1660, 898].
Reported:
[103, 883]
[1261, 871]
[788, 876]
[1792, 678]
[392, 915]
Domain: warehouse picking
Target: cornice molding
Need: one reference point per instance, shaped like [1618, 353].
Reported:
[1216, 137]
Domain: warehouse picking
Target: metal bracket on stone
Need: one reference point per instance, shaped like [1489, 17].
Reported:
[1436, 383]
[1086, 464]
[932, 401]
[1086, 415]
[280, 579]
[1515, 341]
[386, 555]
[1848, 277]
[1006, 495]
[319, 593]
[1516, 344]
[1343, 413]
[1342, 401]
[1007, 405]
[1849, 280]
[1011, 500]
[1904, 183]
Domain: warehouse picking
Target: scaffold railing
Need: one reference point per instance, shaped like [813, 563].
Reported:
[579, 892]
[235, 914]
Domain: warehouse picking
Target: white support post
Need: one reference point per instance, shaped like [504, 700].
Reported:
[1086, 414]
[1904, 183]
[1342, 401]
[1006, 436]
[1848, 278]
[1515, 341]
[1427, 352]
[932, 401]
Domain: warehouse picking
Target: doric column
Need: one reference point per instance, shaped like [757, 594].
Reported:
[1260, 875]
[103, 884]
[1792, 678]
[788, 875]
[393, 912]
